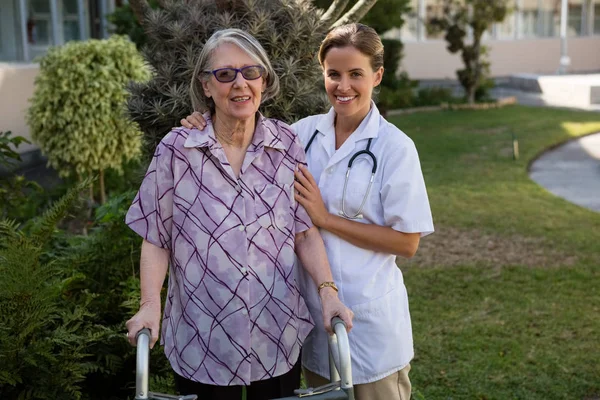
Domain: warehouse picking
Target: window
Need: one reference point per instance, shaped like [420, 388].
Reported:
[70, 20]
[529, 18]
[410, 29]
[507, 28]
[39, 23]
[575, 20]
[549, 18]
[597, 18]
[433, 9]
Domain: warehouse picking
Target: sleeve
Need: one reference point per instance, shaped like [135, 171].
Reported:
[302, 221]
[403, 193]
[151, 213]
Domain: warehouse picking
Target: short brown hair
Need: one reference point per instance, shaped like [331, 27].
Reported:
[359, 36]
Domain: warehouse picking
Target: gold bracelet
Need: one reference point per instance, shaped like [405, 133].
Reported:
[327, 284]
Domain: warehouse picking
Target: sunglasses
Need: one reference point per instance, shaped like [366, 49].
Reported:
[249, 73]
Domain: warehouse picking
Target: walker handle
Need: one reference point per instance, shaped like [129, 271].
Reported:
[142, 362]
[339, 348]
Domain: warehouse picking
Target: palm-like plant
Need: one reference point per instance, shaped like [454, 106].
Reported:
[289, 30]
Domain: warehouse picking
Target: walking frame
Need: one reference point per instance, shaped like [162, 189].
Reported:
[340, 370]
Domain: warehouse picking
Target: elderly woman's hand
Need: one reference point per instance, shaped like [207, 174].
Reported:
[333, 307]
[194, 121]
[148, 316]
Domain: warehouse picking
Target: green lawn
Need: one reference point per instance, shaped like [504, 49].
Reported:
[505, 297]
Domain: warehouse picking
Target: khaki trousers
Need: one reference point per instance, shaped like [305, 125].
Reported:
[393, 387]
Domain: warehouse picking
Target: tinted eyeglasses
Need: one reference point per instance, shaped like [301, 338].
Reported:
[249, 73]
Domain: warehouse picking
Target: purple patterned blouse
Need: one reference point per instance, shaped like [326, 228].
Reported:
[233, 314]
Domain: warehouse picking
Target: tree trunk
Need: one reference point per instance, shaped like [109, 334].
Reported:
[476, 68]
[471, 94]
[356, 13]
[334, 11]
[102, 188]
[140, 9]
[91, 193]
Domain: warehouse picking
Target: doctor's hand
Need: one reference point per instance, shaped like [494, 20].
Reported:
[309, 197]
[333, 307]
[196, 120]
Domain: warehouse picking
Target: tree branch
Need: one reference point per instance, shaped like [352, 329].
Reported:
[140, 9]
[334, 11]
[356, 13]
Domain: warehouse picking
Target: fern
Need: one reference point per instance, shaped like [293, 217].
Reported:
[42, 335]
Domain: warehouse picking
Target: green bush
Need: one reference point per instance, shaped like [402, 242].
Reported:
[16, 200]
[290, 32]
[63, 303]
[107, 262]
[76, 113]
[43, 335]
[434, 96]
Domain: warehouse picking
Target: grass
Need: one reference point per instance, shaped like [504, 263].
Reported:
[518, 327]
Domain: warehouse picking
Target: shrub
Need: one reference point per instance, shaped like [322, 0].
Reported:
[290, 32]
[16, 202]
[434, 96]
[77, 115]
[107, 262]
[43, 335]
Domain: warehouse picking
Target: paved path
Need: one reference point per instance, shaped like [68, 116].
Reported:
[572, 171]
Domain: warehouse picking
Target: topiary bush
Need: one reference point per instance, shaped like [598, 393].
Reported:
[290, 31]
[76, 113]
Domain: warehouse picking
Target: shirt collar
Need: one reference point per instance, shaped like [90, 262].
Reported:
[368, 128]
[266, 134]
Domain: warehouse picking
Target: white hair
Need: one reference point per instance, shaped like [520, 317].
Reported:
[247, 43]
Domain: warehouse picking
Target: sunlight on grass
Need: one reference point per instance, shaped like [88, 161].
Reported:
[581, 128]
[490, 330]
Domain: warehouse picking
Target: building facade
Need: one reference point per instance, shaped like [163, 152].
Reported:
[528, 41]
[27, 30]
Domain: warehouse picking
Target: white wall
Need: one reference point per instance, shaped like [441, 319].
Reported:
[16, 87]
[431, 60]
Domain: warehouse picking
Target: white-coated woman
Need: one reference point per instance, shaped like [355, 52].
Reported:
[364, 225]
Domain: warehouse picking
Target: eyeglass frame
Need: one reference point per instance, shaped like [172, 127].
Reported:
[237, 70]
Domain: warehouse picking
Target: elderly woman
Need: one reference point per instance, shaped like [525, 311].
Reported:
[218, 206]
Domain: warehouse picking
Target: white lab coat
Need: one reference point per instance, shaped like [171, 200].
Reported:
[369, 282]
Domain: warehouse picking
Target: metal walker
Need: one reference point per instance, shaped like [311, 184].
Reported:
[340, 369]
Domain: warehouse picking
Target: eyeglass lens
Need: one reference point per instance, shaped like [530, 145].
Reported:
[229, 74]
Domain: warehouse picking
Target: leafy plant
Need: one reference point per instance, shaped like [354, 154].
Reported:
[123, 22]
[15, 200]
[43, 336]
[289, 30]
[8, 144]
[107, 262]
[464, 23]
[76, 113]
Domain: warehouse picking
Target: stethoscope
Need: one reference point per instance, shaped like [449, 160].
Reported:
[368, 152]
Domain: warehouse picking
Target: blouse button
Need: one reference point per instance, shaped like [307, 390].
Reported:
[242, 228]
[243, 270]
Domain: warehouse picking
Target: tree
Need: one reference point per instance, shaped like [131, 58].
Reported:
[76, 113]
[289, 30]
[464, 23]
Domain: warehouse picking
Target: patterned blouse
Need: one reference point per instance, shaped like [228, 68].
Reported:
[233, 313]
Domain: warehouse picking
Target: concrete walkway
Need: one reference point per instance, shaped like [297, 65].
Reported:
[572, 171]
